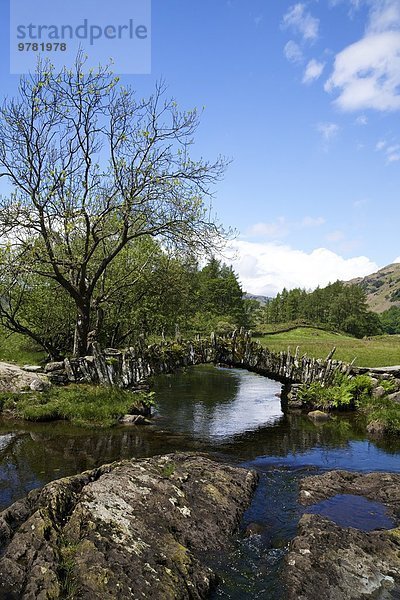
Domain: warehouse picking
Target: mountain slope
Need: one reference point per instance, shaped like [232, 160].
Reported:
[382, 288]
[261, 299]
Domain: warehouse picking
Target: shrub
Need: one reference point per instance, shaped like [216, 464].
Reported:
[344, 393]
[383, 411]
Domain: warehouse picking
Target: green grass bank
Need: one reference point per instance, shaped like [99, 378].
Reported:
[82, 405]
[379, 351]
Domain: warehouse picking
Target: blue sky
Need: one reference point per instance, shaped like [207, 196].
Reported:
[305, 99]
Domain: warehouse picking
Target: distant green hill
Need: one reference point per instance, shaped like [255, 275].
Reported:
[382, 288]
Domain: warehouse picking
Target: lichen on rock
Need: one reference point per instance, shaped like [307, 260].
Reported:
[114, 532]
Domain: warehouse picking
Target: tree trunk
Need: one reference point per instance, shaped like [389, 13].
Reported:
[82, 328]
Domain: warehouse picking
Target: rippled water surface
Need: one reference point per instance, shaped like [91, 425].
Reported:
[236, 416]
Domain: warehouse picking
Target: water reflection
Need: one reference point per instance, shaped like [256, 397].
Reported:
[38, 453]
[347, 510]
[350, 455]
[217, 404]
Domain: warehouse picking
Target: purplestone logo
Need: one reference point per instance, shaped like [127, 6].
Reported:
[119, 32]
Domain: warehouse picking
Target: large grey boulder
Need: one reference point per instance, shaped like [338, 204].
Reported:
[15, 379]
[133, 529]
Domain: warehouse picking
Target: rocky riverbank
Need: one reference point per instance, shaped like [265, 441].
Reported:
[132, 529]
[333, 562]
[17, 379]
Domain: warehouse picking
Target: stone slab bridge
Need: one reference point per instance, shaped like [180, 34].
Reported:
[132, 367]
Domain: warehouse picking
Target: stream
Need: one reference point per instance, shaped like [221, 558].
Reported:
[236, 416]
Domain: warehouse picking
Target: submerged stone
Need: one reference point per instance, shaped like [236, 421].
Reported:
[132, 529]
[318, 415]
[134, 420]
[254, 529]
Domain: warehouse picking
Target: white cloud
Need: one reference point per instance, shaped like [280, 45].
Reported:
[293, 52]
[328, 130]
[366, 74]
[301, 21]
[267, 268]
[380, 145]
[397, 260]
[313, 71]
[282, 227]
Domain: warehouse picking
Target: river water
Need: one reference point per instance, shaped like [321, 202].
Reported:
[236, 416]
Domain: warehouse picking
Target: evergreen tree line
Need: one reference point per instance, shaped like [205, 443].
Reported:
[338, 306]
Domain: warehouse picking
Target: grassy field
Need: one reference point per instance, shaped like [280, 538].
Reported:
[18, 349]
[380, 351]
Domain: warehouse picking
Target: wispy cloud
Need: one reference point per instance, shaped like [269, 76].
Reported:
[313, 71]
[275, 229]
[302, 22]
[293, 52]
[328, 130]
[390, 149]
[310, 222]
[282, 227]
[360, 203]
[354, 5]
[335, 236]
[384, 16]
[393, 157]
[362, 120]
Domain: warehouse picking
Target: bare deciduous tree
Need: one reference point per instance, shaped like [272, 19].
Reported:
[93, 168]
